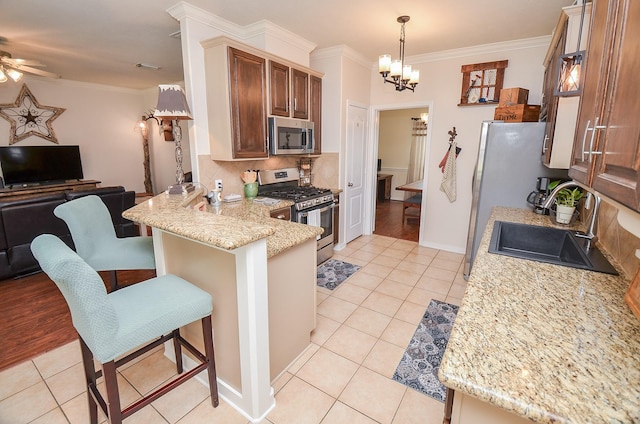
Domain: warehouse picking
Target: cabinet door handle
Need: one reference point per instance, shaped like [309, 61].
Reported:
[295, 103]
[584, 138]
[593, 136]
[281, 216]
[544, 144]
[350, 185]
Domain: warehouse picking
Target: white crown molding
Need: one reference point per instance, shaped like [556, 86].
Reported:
[341, 50]
[263, 28]
[525, 43]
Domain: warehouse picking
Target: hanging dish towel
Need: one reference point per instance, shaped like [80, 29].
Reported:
[448, 184]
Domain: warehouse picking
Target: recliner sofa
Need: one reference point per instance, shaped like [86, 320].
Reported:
[22, 220]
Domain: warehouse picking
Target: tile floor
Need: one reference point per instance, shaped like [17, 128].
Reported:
[344, 377]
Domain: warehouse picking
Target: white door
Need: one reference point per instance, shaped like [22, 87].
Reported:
[355, 158]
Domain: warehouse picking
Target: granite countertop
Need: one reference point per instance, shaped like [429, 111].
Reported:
[549, 343]
[230, 226]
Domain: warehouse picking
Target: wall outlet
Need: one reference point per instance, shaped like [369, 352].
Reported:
[218, 185]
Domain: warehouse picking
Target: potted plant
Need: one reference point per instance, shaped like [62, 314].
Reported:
[566, 201]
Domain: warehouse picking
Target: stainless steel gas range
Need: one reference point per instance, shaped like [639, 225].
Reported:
[313, 205]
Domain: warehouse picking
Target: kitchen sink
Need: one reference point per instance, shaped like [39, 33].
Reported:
[546, 244]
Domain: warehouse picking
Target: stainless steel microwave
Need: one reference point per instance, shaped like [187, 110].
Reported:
[289, 136]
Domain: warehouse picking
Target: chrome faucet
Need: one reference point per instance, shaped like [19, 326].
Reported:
[590, 235]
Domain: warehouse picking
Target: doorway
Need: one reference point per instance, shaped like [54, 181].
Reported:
[401, 154]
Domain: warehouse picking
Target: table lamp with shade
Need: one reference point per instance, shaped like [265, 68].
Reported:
[172, 106]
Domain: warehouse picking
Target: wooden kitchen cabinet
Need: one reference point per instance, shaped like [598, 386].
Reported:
[282, 213]
[284, 80]
[560, 113]
[300, 83]
[236, 103]
[606, 153]
[279, 86]
[315, 112]
[241, 94]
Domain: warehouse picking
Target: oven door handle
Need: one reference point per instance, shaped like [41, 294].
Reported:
[326, 208]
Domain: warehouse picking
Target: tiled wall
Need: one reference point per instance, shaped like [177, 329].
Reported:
[325, 170]
[620, 243]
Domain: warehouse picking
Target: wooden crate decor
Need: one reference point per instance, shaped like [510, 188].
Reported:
[513, 96]
[517, 113]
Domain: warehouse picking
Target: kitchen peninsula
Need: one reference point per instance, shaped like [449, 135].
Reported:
[261, 273]
[541, 342]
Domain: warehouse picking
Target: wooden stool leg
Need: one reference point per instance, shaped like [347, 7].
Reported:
[209, 353]
[113, 395]
[177, 348]
[90, 375]
[113, 280]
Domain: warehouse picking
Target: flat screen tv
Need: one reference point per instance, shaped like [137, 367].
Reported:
[24, 165]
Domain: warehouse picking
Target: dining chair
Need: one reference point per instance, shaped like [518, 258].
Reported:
[113, 326]
[96, 242]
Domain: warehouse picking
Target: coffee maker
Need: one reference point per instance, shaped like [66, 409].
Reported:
[537, 198]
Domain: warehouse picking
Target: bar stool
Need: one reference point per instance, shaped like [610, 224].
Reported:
[96, 242]
[111, 325]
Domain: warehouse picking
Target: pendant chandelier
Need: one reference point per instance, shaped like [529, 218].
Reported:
[570, 67]
[402, 76]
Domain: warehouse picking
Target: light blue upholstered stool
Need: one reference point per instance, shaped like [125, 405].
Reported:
[96, 242]
[112, 325]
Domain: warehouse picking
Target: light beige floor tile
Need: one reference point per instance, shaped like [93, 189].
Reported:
[52, 417]
[205, 413]
[416, 408]
[357, 244]
[77, 411]
[58, 359]
[457, 291]
[356, 261]
[280, 382]
[368, 321]
[382, 303]
[67, 384]
[27, 405]
[387, 261]
[368, 281]
[460, 279]
[328, 372]
[413, 267]
[351, 293]
[450, 256]
[434, 285]
[350, 343]
[445, 264]
[411, 313]
[453, 300]
[404, 245]
[440, 274]
[181, 400]
[404, 277]
[147, 415]
[325, 327]
[373, 395]
[423, 297]
[425, 251]
[394, 289]
[150, 372]
[321, 295]
[300, 403]
[17, 378]
[373, 248]
[341, 413]
[348, 250]
[303, 358]
[382, 240]
[363, 255]
[395, 253]
[399, 333]
[384, 358]
[336, 309]
[337, 255]
[419, 259]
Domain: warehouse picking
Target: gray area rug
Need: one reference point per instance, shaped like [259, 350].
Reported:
[333, 272]
[419, 365]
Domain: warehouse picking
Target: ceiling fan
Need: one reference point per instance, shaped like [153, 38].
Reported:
[14, 68]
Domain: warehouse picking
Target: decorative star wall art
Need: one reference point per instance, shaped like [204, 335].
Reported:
[28, 117]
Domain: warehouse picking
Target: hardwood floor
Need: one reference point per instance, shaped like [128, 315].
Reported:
[389, 221]
[36, 318]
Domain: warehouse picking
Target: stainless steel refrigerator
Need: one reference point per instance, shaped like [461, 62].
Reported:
[509, 161]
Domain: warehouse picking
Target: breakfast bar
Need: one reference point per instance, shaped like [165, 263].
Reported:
[541, 342]
[262, 318]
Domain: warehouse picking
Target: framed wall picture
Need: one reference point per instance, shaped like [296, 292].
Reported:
[481, 82]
